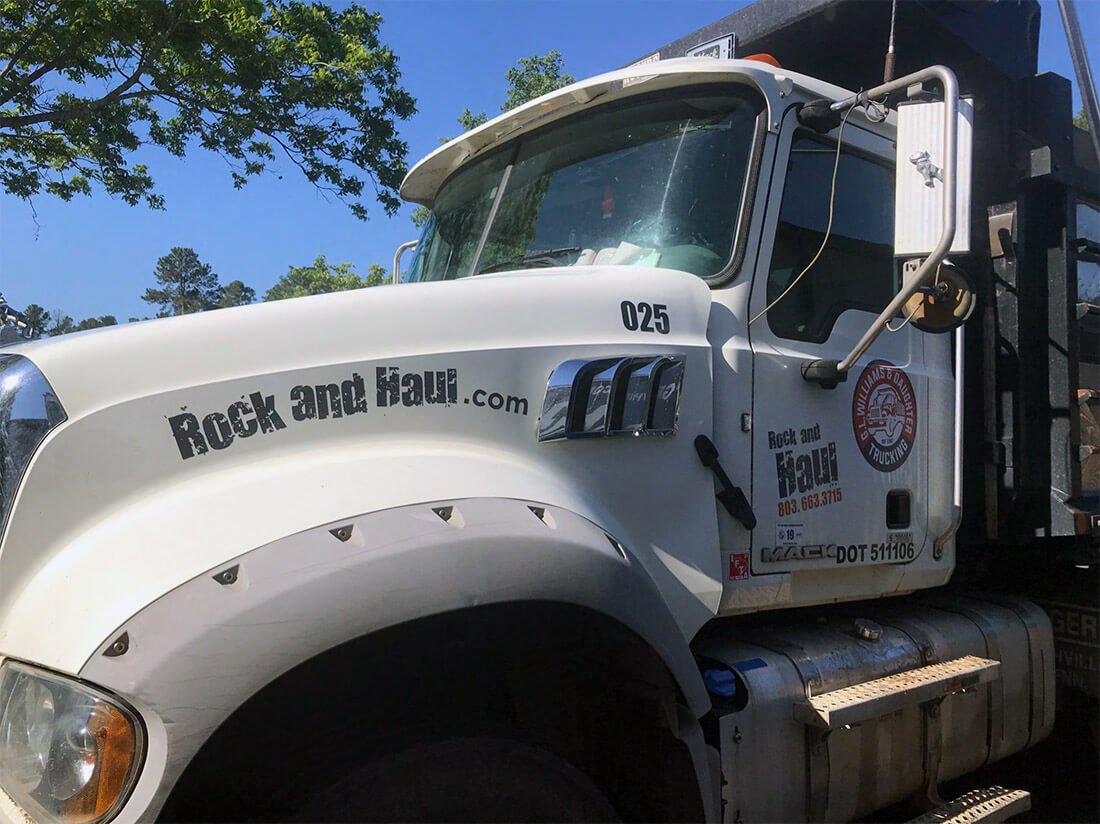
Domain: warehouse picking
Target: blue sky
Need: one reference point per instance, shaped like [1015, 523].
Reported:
[95, 255]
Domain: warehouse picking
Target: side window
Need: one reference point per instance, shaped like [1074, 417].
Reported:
[856, 269]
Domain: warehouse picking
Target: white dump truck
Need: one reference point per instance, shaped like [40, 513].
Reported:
[638, 501]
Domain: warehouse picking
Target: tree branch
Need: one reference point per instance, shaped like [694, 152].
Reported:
[35, 136]
[28, 81]
[21, 52]
[64, 115]
[115, 95]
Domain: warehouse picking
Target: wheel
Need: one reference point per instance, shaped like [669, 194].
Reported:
[462, 779]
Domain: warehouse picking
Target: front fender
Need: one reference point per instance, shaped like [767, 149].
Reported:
[198, 652]
[153, 543]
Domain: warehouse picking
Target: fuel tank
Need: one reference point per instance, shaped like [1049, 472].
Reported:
[832, 715]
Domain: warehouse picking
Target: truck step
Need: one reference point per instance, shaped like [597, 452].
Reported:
[873, 699]
[989, 804]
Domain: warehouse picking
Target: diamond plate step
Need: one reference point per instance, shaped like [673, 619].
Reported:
[989, 804]
[872, 699]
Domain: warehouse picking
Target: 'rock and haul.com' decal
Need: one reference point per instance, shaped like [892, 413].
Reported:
[259, 414]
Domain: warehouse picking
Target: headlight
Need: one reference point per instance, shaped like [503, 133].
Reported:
[68, 753]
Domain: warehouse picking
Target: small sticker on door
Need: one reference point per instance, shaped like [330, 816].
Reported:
[884, 415]
[788, 534]
[739, 566]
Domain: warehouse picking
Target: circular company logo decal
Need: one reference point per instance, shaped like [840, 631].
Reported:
[884, 415]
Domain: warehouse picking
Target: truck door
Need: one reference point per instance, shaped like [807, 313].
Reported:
[839, 475]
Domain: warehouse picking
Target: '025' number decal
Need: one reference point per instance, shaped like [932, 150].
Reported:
[645, 317]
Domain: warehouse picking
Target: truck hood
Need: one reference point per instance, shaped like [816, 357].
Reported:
[103, 367]
[189, 441]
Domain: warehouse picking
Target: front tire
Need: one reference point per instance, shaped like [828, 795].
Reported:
[462, 779]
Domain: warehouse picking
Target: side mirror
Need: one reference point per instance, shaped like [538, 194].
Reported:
[920, 208]
[943, 304]
[944, 300]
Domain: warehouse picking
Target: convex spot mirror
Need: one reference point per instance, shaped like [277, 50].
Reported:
[944, 303]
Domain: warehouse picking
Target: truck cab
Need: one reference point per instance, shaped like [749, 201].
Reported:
[705, 169]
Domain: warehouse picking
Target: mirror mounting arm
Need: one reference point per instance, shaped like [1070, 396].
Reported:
[928, 268]
[404, 247]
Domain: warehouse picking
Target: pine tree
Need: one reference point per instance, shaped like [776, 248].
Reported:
[188, 284]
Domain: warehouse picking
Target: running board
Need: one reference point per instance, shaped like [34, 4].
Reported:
[989, 804]
[873, 699]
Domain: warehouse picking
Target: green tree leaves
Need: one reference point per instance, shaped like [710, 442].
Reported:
[235, 293]
[468, 120]
[62, 324]
[43, 323]
[533, 77]
[85, 82]
[529, 78]
[1081, 120]
[96, 323]
[37, 318]
[187, 284]
[322, 277]
[376, 276]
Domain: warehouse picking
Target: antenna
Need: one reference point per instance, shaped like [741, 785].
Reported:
[888, 67]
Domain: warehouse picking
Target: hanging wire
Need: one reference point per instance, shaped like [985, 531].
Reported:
[828, 226]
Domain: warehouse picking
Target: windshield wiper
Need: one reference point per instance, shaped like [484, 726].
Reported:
[543, 257]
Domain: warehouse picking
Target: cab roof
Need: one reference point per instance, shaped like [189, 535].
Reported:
[424, 179]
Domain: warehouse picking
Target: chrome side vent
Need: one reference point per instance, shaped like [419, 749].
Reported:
[612, 396]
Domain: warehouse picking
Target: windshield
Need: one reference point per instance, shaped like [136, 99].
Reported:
[653, 183]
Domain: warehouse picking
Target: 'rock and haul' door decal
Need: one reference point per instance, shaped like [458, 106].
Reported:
[829, 501]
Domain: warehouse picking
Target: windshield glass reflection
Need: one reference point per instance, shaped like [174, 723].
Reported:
[656, 183]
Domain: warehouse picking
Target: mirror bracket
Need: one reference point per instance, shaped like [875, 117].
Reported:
[819, 116]
[928, 268]
[825, 373]
[943, 303]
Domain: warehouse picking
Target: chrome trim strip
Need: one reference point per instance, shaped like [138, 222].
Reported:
[29, 411]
